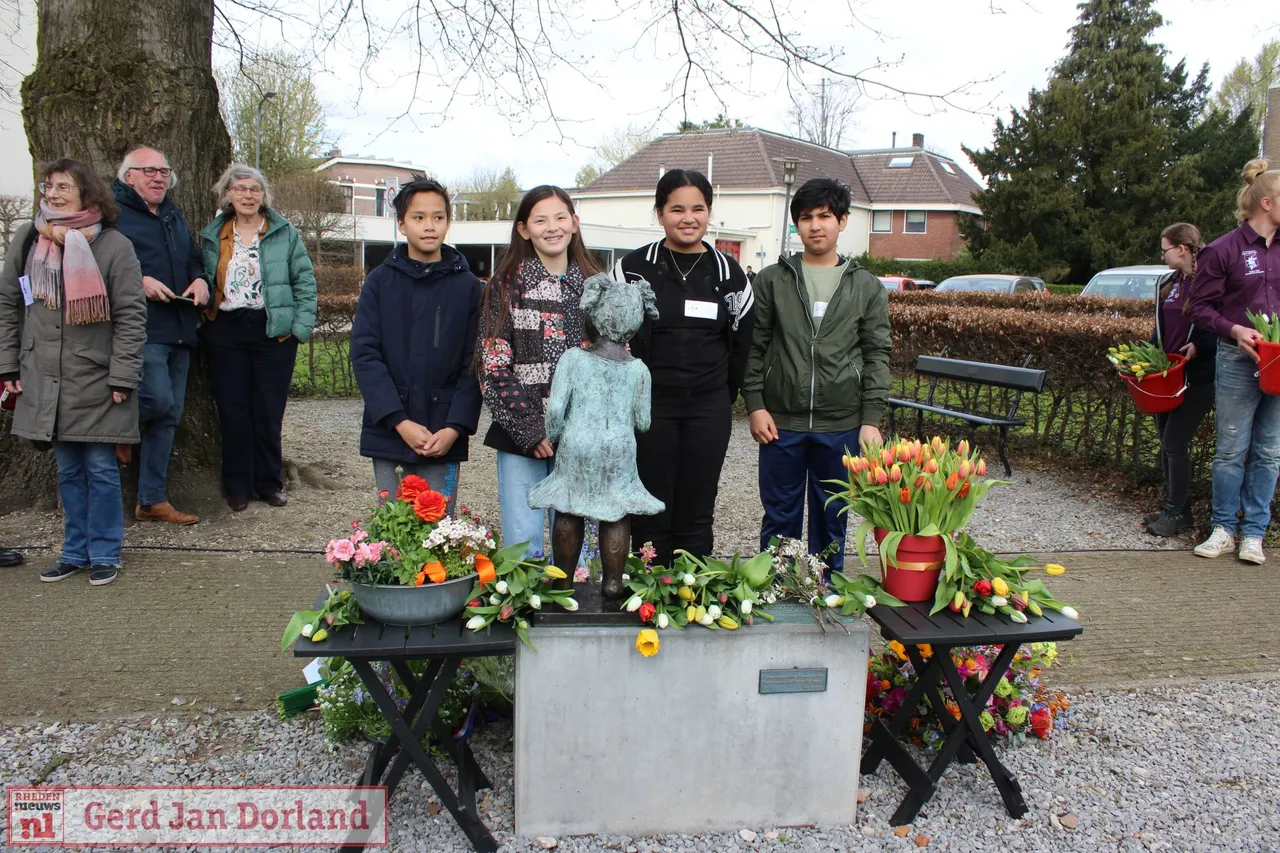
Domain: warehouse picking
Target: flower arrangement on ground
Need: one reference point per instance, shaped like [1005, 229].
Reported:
[912, 488]
[1021, 704]
[517, 588]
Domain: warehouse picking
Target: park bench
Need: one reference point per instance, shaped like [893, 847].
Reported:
[940, 368]
[965, 738]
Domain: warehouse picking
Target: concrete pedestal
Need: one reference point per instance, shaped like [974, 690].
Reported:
[694, 739]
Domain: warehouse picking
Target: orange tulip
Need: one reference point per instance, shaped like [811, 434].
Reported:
[434, 571]
[965, 469]
[895, 473]
[964, 489]
[904, 495]
[981, 469]
[963, 447]
[882, 478]
[931, 467]
[953, 481]
[886, 456]
[485, 570]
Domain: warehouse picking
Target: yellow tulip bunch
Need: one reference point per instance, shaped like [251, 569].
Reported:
[1138, 359]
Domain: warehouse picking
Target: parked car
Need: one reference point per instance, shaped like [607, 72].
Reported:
[1138, 282]
[925, 284]
[896, 282]
[991, 284]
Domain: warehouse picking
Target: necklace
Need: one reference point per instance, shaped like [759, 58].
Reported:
[684, 276]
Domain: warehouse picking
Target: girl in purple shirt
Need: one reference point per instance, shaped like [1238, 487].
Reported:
[1179, 245]
[1237, 272]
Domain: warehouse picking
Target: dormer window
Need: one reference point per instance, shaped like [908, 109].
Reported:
[946, 167]
[901, 162]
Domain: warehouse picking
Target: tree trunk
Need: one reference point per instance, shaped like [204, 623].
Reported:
[112, 74]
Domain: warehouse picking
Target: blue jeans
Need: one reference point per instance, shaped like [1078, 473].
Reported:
[791, 465]
[1248, 455]
[89, 485]
[520, 523]
[161, 397]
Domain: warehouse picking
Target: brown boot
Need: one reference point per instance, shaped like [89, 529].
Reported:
[124, 452]
[164, 512]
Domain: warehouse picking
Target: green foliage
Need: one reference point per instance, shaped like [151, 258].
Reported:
[1118, 145]
[488, 194]
[293, 122]
[720, 122]
[935, 270]
[1065, 289]
[1245, 87]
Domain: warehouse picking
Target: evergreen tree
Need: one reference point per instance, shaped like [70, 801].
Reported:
[1117, 146]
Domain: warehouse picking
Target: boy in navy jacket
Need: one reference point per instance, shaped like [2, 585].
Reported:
[411, 348]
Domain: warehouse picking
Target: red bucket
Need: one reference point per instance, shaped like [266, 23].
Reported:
[913, 573]
[1268, 367]
[1157, 393]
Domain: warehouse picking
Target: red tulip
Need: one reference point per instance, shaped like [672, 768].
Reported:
[895, 473]
[982, 588]
[881, 477]
[886, 456]
[505, 613]
[964, 490]
[963, 447]
[646, 611]
[931, 467]
[965, 469]
[981, 469]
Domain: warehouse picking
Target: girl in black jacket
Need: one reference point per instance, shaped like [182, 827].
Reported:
[1179, 244]
[696, 352]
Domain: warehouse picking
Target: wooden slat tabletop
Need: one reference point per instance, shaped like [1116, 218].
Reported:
[912, 625]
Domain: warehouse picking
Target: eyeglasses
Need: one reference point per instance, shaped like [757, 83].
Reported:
[61, 188]
[1164, 252]
[150, 171]
[250, 191]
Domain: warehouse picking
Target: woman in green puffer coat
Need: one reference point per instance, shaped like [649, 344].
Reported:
[263, 305]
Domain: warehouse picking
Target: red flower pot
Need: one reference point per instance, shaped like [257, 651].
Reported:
[1157, 393]
[913, 573]
[1268, 367]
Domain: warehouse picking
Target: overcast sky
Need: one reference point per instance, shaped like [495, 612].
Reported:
[937, 45]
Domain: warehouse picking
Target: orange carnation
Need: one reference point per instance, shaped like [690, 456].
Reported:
[485, 570]
[430, 505]
[410, 487]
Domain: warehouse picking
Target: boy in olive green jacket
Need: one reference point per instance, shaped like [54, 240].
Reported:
[817, 377]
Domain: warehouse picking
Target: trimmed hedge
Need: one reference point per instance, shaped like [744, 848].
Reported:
[332, 280]
[1031, 303]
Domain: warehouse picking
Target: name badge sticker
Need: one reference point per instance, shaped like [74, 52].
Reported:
[701, 310]
[25, 284]
[819, 309]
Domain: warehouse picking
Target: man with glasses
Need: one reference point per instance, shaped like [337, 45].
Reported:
[173, 278]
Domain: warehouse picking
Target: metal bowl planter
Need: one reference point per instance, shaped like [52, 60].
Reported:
[392, 604]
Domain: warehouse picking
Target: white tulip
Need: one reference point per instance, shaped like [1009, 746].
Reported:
[688, 579]
[999, 601]
[626, 577]
[535, 602]
[833, 600]
[663, 621]
[501, 587]
[746, 608]
[570, 605]
[306, 629]
[495, 600]
[714, 611]
[705, 619]
[475, 623]
[1070, 612]
[870, 601]
[1018, 616]
[633, 604]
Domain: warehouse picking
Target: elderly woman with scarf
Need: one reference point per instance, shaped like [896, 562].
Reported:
[73, 320]
[263, 306]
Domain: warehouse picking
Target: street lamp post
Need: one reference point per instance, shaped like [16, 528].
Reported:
[789, 166]
[266, 96]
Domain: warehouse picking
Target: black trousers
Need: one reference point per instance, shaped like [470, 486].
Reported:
[679, 460]
[1176, 429]
[251, 374]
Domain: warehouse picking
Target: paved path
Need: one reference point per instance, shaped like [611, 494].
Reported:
[206, 627]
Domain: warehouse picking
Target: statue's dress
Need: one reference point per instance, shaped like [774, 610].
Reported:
[596, 407]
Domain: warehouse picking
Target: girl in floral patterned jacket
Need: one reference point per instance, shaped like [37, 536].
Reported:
[528, 318]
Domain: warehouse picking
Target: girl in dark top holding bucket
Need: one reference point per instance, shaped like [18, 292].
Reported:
[1179, 245]
[696, 352]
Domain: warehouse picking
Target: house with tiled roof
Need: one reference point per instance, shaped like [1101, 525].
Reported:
[906, 201]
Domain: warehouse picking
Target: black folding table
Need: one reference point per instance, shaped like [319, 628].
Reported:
[443, 647]
[913, 626]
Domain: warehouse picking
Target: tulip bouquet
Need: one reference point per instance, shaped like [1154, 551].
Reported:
[982, 580]
[912, 488]
[1139, 359]
[1267, 326]
[1021, 704]
[517, 588]
[694, 591]
[338, 609]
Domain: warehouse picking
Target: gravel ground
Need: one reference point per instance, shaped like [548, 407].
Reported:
[1169, 769]
[1039, 512]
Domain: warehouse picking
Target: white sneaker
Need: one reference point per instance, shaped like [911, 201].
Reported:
[1251, 550]
[1219, 542]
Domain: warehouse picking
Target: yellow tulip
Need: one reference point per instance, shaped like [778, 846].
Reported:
[1054, 569]
[691, 613]
[555, 572]
[647, 642]
[319, 635]
[999, 587]
[685, 593]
